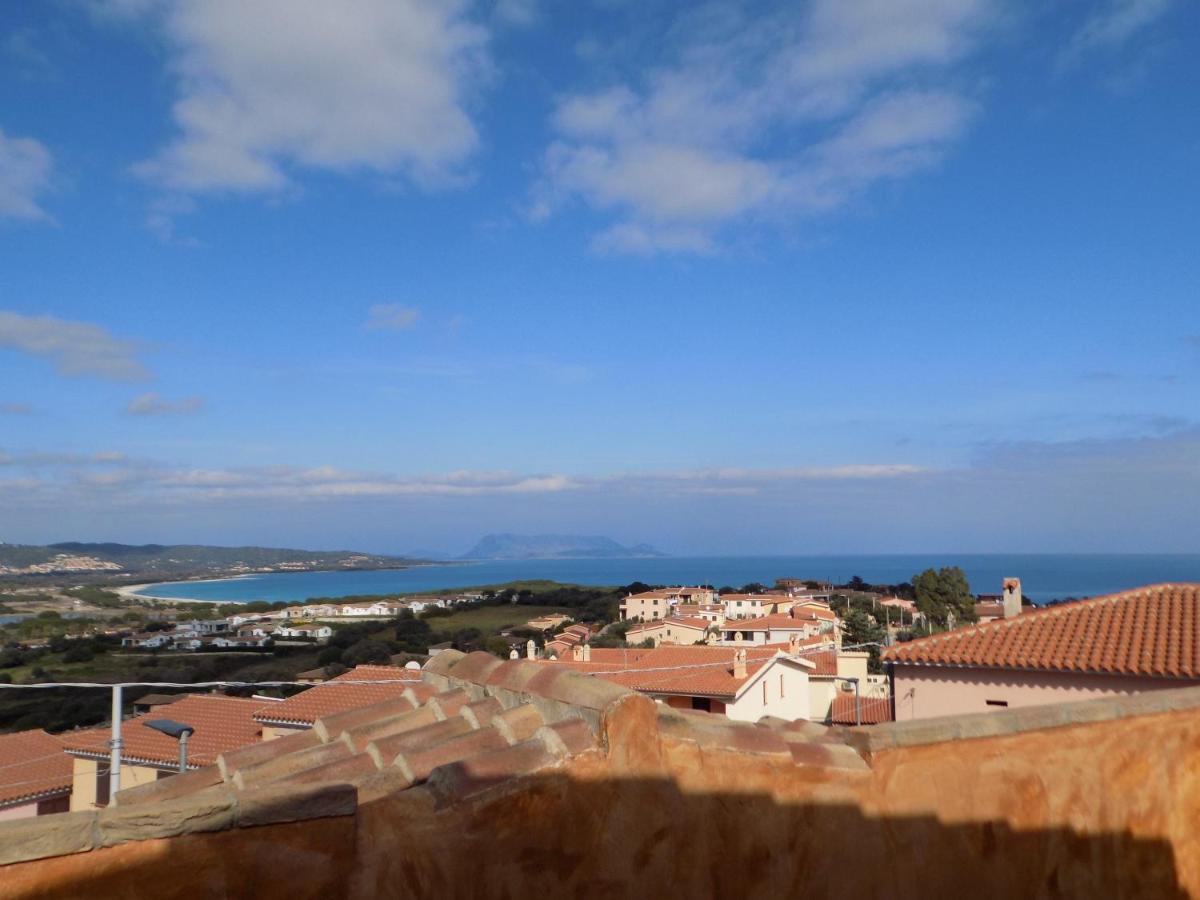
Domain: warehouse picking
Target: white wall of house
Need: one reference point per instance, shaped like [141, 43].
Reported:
[777, 689]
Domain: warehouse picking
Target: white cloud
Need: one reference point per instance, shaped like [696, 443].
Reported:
[375, 85]
[392, 317]
[1114, 24]
[764, 117]
[75, 348]
[153, 404]
[518, 13]
[25, 169]
[143, 481]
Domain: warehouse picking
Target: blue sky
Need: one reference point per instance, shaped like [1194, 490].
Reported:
[886, 275]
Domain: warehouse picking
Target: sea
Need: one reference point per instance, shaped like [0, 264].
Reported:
[1043, 577]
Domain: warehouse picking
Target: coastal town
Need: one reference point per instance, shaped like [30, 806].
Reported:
[740, 673]
[514, 449]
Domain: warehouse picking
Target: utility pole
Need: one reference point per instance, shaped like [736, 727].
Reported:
[114, 760]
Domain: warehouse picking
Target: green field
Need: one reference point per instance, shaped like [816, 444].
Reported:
[493, 619]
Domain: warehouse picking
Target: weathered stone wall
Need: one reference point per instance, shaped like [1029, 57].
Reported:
[1090, 800]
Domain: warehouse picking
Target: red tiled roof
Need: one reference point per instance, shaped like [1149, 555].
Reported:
[873, 710]
[685, 621]
[32, 765]
[334, 696]
[775, 622]
[1152, 631]
[670, 669]
[221, 723]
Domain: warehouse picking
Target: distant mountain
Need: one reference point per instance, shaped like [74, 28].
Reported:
[555, 546]
[158, 560]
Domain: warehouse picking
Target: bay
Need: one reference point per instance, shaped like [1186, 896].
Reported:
[1045, 576]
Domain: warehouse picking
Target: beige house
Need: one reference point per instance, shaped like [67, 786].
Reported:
[672, 630]
[221, 724]
[1133, 641]
[659, 604]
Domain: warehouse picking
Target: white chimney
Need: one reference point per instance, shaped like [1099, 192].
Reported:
[1012, 597]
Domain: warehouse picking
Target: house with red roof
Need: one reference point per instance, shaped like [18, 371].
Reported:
[741, 683]
[35, 775]
[671, 630]
[221, 724]
[1139, 640]
[337, 695]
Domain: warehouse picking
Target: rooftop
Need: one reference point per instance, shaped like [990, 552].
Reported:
[32, 766]
[1151, 631]
[670, 669]
[222, 724]
[335, 695]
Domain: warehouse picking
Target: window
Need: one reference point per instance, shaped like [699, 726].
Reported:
[781, 685]
[996, 702]
[702, 703]
[764, 690]
[102, 785]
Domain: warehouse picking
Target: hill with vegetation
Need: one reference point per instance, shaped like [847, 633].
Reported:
[154, 561]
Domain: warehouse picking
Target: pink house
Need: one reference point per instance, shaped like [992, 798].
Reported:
[1139, 640]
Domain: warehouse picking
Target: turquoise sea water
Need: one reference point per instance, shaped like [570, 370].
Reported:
[1043, 576]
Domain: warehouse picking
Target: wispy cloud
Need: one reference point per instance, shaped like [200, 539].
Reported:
[376, 85]
[26, 167]
[16, 409]
[392, 317]
[157, 482]
[75, 348]
[764, 116]
[153, 404]
[1114, 24]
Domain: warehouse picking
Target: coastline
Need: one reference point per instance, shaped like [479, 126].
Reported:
[135, 590]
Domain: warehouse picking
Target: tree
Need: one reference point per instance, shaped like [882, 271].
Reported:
[859, 628]
[942, 592]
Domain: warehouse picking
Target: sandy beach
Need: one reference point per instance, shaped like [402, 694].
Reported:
[136, 591]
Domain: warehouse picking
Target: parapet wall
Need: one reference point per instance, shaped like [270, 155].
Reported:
[1096, 799]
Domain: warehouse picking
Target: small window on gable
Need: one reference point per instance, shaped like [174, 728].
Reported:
[764, 690]
[996, 702]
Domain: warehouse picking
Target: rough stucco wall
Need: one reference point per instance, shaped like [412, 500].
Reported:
[302, 860]
[923, 692]
[1077, 811]
[1097, 810]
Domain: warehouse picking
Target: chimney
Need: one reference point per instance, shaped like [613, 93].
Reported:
[1012, 597]
[587, 652]
[739, 663]
[577, 653]
[793, 644]
[530, 649]
[514, 654]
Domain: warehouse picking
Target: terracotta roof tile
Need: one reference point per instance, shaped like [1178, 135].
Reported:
[671, 669]
[443, 738]
[221, 723]
[32, 765]
[334, 696]
[873, 710]
[1152, 631]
